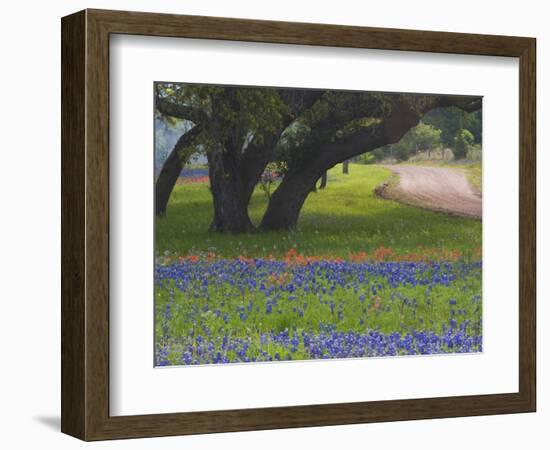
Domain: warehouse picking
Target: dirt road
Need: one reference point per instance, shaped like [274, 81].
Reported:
[436, 188]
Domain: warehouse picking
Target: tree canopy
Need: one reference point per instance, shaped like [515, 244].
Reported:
[305, 131]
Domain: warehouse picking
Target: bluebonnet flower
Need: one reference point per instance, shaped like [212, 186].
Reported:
[203, 297]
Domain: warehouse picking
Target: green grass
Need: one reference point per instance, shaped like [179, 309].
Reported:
[345, 217]
[210, 307]
[473, 172]
[431, 306]
[200, 305]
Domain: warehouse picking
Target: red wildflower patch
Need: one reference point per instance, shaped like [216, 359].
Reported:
[383, 254]
[191, 180]
[246, 260]
[294, 258]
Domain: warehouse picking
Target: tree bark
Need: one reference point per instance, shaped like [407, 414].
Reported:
[229, 193]
[254, 160]
[286, 202]
[345, 167]
[256, 156]
[170, 171]
[323, 181]
[235, 171]
[180, 111]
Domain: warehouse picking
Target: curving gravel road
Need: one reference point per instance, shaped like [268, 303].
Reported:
[436, 188]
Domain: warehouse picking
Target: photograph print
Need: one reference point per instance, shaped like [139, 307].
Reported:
[307, 224]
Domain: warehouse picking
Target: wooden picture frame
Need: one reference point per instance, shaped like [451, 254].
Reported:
[85, 224]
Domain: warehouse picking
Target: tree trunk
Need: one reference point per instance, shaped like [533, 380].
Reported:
[323, 181]
[254, 160]
[166, 181]
[345, 167]
[256, 156]
[170, 171]
[243, 169]
[286, 202]
[229, 194]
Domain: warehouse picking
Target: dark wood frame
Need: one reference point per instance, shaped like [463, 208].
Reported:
[85, 224]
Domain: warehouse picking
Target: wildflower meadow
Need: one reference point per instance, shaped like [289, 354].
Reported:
[359, 277]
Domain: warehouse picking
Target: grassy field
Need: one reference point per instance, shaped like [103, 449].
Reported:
[236, 311]
[360, 277]
[346, 217]
[473, 172]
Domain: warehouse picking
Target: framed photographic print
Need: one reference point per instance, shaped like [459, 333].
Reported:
[271, 225]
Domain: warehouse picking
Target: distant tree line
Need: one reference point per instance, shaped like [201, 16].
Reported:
[442, 128]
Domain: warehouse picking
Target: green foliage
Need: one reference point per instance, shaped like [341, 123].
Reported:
[366, 158]
[340, 114]
[473, 123]
[421, 137]
[474, 153]
[451, 120]
[402, 152]
[425, 137]
[474, 174]
[335, 116]
[378, 154]
[462, 143]
[236, 114]
[355, 125]
[346, 218]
